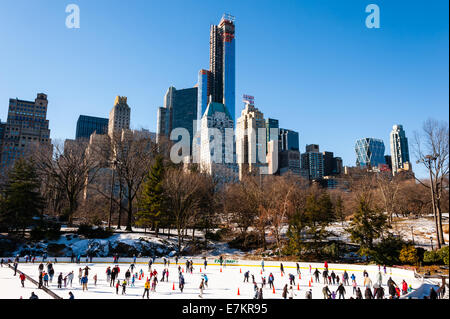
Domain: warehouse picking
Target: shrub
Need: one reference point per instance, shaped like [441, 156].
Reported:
[408, 255]
[443, 254]
[50, 231]
[387, 252]
[245, 241]
[90, 232]
[432, 257]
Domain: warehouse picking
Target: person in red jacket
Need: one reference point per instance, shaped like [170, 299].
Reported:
[22, 279]
[404, 287]
[325, 266]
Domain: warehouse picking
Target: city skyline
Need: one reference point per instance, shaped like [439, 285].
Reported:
[403, 86]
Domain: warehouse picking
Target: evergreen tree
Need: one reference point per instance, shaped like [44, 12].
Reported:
[21, 200]
[151, 200]
[367, 225]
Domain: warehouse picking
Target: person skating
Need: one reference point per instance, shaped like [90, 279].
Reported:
[132, 266]
[256, 290]
[316, 275]
[325, 265]
[1, 262]
[253, 278]
[181, 285]
[262, 265]
[404, 287]
[150, 262]
[86, 270]
[260, 294]
[345, 277]
[95, 280]
[154, 282]
[80, 275]
[326, 292]
[60, 279]
[70, 277]
[358, 293]
[84, 282]
[291, 279]
[246, 276]
[368, 293]
[146, 289]
[333, 276]
[380, 278]
[71, 295]
[341, 291]
[33, 296]
[308, 294]
[367, 282]
[133, 279]
[354, 286]
[325, 277]
[433, 293]
[206, 280]
[163, 275]
[380, 293]
[291, 292]
[285, 291]
[281, 268]
[22, 279]
[353, 278]
[202, 286]
[15, 267]
[45, 279]
[271, 279]
[205, 263]
[128, 275]
[124, 287]
[298, 268]
[220, 260]
[117, 286]
[176, 260]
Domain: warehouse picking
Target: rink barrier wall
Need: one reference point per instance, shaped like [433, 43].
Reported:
[48, 291]
[271, 266]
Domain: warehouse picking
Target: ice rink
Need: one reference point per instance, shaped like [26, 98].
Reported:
[223, 282]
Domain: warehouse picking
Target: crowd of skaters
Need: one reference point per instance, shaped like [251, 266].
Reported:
[329, 279]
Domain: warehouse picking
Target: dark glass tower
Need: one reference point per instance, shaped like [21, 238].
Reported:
[86, 125]
[219, 83]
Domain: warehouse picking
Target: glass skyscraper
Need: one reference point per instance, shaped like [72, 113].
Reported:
[219, 83]
[86, 125]
[369, 152]
[399, 148]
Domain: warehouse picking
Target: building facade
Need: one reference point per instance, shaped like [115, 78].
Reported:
[179, 111]
[312, 166]
[250, 145]
[331, 165]
[369, 152]
[86, 125]
[399, 149]
[26, 126]
[218, 84]
[119, 116]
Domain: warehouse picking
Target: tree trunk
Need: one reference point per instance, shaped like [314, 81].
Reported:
[120, 206]
[193, 233]
[130, 210]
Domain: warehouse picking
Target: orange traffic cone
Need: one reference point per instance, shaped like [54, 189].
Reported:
[240, 270]
[182, 270]
[300, 276]
[261, 271]
[238, 292]
[281, 274]
[220, 269]
[173, 288]
[200, 269]
[273, 289]
[310, 283]
[298, 286]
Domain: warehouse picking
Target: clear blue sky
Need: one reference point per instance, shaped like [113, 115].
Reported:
[312, 64]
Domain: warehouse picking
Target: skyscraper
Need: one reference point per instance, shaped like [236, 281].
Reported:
[219, 83]
[288, 140]
[179, 111]
[331, 165]
[119, 116]
[86, 125]
[369, 152]
[399, 149]
[26, 126]
[217, 149]
[312, 163]
[250, 145]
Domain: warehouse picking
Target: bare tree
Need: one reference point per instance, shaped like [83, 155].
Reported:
[431, 147]
[66, 171]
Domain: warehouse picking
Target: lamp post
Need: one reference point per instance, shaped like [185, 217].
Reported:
[431, 239]
[412, 234]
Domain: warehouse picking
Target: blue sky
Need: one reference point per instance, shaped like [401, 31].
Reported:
[311, 64]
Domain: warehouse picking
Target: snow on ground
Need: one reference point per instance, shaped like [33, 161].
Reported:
[222, 284]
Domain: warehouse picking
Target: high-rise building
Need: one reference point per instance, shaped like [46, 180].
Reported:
[274, 125]
[369, 152]
[217, 153]
[179, 111]
[250, 145]
[331, 165]
[219, 83]
[399, 149]
[388, 161]
[289, 140]
[312, 163]
[26, 126]
[86, 125]
[119, 116]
